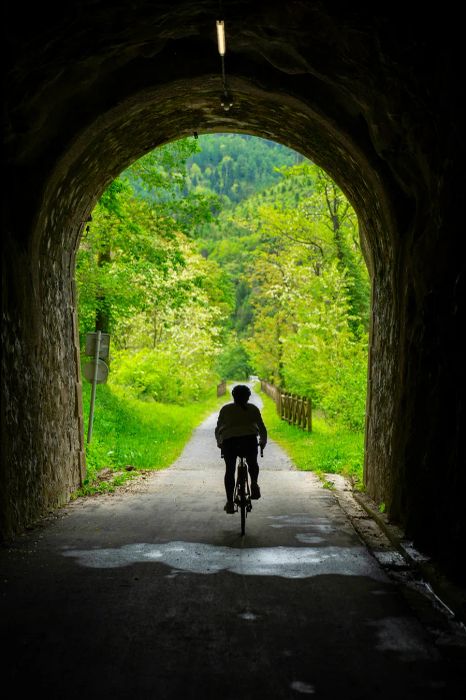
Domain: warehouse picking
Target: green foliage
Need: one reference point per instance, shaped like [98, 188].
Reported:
[225, 257]
[323, 359]
[161, 178]
[233, 362]
[124, 262]
[329, 449]
[165, 305]
[236, 166]
[128, 432]
[302, 289]
[173, 374]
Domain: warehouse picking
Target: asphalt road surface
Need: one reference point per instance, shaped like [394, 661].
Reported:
[152, 593]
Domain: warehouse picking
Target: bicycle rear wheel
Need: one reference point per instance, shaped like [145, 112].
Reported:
[242, 494]
[243, 512]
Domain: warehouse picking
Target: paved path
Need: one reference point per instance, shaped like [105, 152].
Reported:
[153, 594]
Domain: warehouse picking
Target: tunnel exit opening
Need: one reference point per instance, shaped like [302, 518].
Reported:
[279, 251]
[121, 137]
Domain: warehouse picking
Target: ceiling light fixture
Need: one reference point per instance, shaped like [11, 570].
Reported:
[226, 99]
[221, 37]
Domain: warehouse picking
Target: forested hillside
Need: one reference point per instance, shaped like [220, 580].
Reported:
[227, 255]
[236, 166]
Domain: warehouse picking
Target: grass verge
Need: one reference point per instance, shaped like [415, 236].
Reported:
[130, 435]
[328, 449]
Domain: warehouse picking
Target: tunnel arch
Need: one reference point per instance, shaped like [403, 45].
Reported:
[151, 119]
[367, 112]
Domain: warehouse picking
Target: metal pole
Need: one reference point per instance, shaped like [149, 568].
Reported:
[94, 384]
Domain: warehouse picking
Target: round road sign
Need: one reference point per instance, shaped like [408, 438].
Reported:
[102, 371]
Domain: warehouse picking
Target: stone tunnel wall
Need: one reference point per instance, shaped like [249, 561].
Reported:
[41, 399]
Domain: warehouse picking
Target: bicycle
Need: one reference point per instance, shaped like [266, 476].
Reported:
[242, 492]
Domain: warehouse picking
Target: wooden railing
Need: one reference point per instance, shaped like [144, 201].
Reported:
[271, 391]
[297, 410]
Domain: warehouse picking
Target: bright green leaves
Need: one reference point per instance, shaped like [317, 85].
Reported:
[302, 289]
[275, 285]
[139, 274]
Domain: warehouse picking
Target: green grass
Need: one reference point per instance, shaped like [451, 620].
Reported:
[328, 449]
[130, 435]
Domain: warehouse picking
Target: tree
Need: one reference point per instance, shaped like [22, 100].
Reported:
[139, 265]
[295, 249]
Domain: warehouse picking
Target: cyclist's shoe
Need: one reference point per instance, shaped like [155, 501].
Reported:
[255, 490]
[229, 507]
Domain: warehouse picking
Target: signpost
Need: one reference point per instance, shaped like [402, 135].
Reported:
[89, 371]
[96, 371]
[91, 340]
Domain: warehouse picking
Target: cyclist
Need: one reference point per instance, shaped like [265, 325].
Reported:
[238, 426]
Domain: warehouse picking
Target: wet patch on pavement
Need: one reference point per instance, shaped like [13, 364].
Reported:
[201, 558]
[305, 688]
[397, 634]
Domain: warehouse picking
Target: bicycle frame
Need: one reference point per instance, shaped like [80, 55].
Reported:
[242, 493]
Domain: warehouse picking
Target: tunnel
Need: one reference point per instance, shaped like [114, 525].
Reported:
[372, 94]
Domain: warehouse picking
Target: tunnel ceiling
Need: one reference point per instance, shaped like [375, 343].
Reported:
[94, 85]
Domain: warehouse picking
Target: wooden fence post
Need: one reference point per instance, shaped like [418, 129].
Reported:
[297, 410]
[309, 415]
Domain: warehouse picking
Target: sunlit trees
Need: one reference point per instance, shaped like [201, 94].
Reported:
[163, 302]
[192, 291]
[308, 290]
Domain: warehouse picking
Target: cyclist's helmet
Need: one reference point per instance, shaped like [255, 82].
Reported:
[241, 393]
